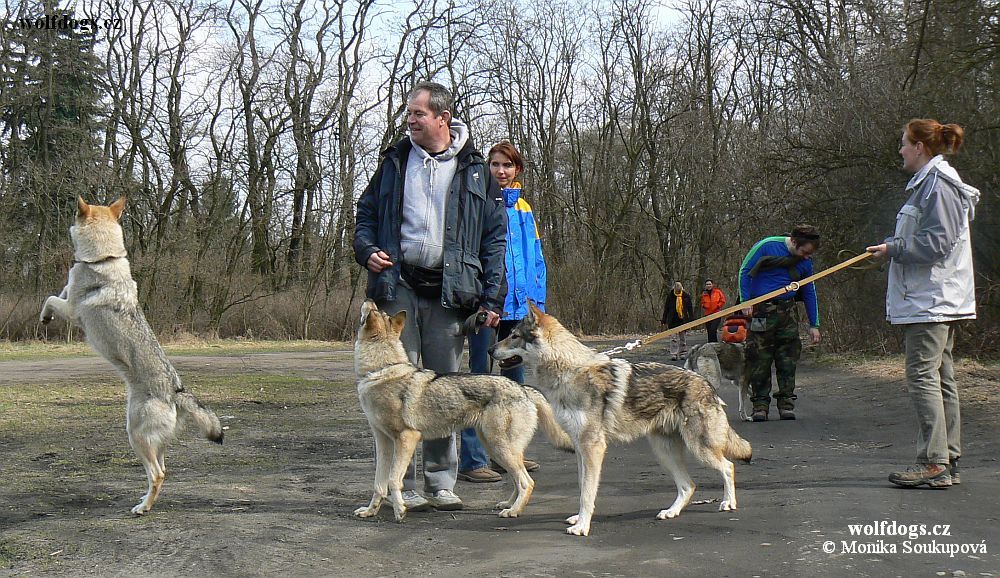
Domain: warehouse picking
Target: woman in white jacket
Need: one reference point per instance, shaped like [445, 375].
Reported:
[931, 286]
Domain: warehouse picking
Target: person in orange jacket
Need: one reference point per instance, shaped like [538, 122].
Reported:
[713, 300]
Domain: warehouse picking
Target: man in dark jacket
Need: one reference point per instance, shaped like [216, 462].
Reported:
[431, 230]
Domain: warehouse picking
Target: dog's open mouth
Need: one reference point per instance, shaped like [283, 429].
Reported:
[510, 362]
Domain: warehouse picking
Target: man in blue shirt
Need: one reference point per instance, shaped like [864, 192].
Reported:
[773, 263]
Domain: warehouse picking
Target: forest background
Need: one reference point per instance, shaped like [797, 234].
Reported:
[662, 139]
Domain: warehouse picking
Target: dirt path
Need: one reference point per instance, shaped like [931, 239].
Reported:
[330, 365]
[277, 498]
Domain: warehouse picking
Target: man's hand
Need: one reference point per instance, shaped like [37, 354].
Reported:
[814, 336]
[878, 251]
[481, 318]
[378, 261]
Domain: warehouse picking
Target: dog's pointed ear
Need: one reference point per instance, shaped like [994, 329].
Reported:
[398, 322]
[118, 207]
[536, 313]
[82, 208]
[367, 308]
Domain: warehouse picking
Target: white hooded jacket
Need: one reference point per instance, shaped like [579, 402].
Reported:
[931, 277]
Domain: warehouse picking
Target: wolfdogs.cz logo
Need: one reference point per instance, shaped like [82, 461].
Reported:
[66, 22]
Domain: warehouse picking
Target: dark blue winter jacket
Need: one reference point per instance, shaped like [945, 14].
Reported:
[474, 236]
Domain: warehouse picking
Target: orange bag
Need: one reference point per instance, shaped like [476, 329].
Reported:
[735, 330]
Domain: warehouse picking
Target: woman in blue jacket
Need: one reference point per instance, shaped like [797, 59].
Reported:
[525, 280]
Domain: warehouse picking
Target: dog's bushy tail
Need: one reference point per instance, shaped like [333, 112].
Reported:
[205, 418]
[547, 420]
[737, 448]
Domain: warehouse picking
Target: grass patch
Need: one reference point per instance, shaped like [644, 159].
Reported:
[35, 407]
[56, 433]
[12, 550]
[33, 350]
[260, 389]
[894, 364]
[41, 350]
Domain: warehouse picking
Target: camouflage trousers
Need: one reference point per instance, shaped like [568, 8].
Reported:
[773, 339]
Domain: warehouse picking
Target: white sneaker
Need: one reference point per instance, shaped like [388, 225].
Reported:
[446, 500]
[414, 502]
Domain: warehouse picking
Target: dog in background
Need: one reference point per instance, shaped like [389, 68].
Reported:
[721, 360]
[598, 400]
[101, 297]
[404, 403]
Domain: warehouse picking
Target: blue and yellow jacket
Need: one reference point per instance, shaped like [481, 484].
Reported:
[524, 262]
[767, 280]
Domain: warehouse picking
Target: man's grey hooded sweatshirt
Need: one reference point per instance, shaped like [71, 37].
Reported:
[428, 180]
[931, 278]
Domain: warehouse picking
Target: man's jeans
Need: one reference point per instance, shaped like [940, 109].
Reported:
[473, 454]
[713, 329]
[434, 336]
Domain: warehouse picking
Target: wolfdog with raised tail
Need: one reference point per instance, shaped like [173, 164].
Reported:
[404, 403]
[598, 400]
[100, 297]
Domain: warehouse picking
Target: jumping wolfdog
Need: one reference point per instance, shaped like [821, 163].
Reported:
[598, 399]
[404, 403]
[100, 296]
[721, 360]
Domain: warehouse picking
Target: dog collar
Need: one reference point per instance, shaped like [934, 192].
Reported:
[108, 258]
[370, 373]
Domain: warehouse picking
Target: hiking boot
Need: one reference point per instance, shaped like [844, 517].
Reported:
[953, 471]
[759, 415]
[934, 475]
[414, 502]
[528, 465]
[446, 500]
[786, 414]
[479, 475]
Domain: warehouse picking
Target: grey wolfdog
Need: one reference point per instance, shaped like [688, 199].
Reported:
[599, 400]
[100, 296]
[720, 360]
[404, 403]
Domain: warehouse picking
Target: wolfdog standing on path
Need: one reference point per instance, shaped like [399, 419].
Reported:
[100, 296]
[599, 400]
[404, 403]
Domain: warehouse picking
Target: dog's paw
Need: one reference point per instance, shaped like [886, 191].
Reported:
[400, 515]
[365, 512]
[503, 505]
[727, 506]
[668, 513]
[508, 513]
[140, 508]
[572, 520]
[578, 530]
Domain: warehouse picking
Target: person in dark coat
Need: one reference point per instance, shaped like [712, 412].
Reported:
[676, 312]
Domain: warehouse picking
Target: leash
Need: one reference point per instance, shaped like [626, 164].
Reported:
[793, 286]
[845, 253]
